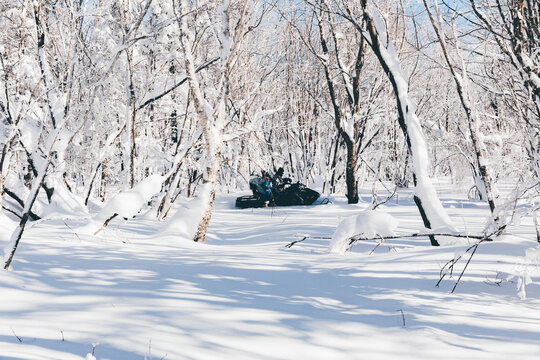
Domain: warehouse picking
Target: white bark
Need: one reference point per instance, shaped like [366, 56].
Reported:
[212, 134]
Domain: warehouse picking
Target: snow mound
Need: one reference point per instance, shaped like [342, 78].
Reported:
[185, 221]
[368, 224]
[64, 204]
[129, 203]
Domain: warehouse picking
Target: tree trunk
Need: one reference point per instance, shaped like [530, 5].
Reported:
[17, 234]
[211, 133]
[350, 172]
[131, 116]
[426, 199]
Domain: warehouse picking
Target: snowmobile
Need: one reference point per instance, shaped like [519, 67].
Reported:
[284, 193]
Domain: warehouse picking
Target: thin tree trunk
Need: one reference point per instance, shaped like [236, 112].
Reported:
[536, 225]
[17, 234]
[130, 118]
[426, 199]
[91, 184]
[350, 172]
[103, 188]
[211, 134]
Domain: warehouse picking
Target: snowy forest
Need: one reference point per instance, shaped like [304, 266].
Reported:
[129, 127]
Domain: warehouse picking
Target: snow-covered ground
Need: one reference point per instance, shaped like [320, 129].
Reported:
[139, 291]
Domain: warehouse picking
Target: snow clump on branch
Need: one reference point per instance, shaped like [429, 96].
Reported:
[368, 224]
[128, 203]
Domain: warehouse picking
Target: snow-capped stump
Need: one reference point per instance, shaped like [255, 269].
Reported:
[369, 224]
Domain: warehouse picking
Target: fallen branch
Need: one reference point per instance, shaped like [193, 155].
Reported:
[69, 227]
[355, 238]
[18, 338]
[447, 268]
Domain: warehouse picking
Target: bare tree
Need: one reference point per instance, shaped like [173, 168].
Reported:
[515, 27]
[370, 25]
[62, 120]
[212, 113]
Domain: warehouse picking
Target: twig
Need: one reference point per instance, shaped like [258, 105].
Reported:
[381, 240]
[387, 199]
[450, 264]
[440, 279]
[402, 316]
[375, 248]
[467, 264]
[294, 242]
[497, 282]
[69, 227]
[18, 338]
[308, 237]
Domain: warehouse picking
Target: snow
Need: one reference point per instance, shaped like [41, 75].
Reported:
[30, 132]
[185, 220]
[368, 224]
[128, 203]
[137, 291]
[64, 204]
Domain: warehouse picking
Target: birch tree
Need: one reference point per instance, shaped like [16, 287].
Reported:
[211, 105]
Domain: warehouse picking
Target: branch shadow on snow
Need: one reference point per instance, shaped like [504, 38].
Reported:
[242, 292]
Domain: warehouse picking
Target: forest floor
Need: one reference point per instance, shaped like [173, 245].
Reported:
[140, 291]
